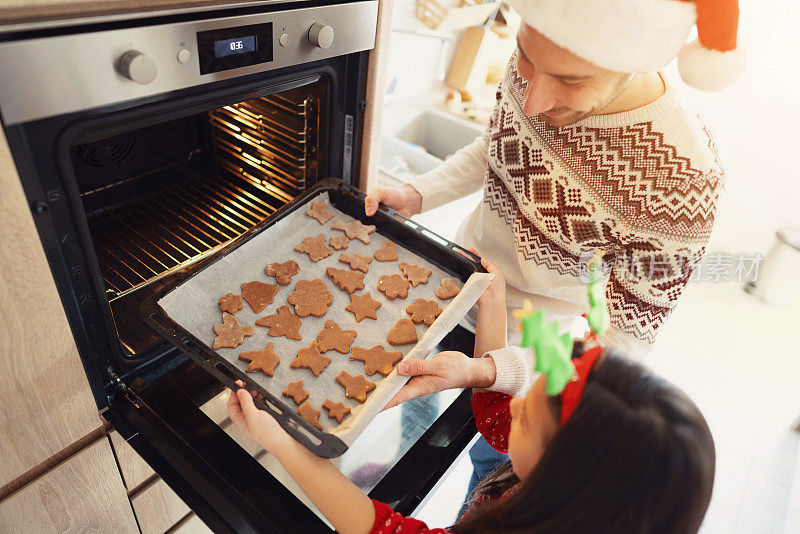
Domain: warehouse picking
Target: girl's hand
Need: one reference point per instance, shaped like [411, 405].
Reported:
[496, 292]
[256, 424]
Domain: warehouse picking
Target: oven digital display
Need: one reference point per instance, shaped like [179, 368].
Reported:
[240, 45]
[232, 48]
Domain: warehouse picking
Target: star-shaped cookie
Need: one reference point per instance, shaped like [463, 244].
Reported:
[230, 333]
[332, 337]
[377, 359]
[283, 323]
[354, 229]
[355, 387]
[363, 306]
[336, 410]
[319, 211]
[261, 360]
[311, 358]
[296, 392]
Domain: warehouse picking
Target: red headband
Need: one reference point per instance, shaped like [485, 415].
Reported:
[571, 395]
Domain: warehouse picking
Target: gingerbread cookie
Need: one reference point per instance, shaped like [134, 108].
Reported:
[332, 337]
[283, 272]
[259, 295]
[296, 392]
[354, 230]
[403, 333]
[387, 252]
[230, 333]
[261, 360]
[447, 289]
[357, 262]
[377, 359]
[363, 306]
[315, 247]
[310, 297]
[311, 358]
[347, 280]
[230, 303]
[283, 323]
[310, 414]
[424, 311]
[319, 211]
[355, 387]
[393, 286]
[336, 410]
[414, 273]
[339, 241]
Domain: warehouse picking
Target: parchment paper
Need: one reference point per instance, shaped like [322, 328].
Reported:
[194, 306]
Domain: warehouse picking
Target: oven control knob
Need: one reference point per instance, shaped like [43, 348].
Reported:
[320, 35]
[137, 67]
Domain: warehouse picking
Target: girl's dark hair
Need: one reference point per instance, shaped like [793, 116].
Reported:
[635, 457]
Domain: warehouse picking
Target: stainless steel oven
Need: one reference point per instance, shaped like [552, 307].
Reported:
[147, 144]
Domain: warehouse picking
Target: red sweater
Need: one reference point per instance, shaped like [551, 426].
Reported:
[493, 419]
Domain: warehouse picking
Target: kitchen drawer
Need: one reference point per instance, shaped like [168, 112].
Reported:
[134, 469]
[158, 508]
[84, 494]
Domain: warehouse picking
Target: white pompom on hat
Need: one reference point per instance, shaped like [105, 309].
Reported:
[644, 35]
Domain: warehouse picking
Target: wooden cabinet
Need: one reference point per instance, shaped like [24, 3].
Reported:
[45, 401]
[84, 494]
[134, 469]
[158, 508]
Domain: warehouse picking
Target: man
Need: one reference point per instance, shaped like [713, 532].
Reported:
[588, 150]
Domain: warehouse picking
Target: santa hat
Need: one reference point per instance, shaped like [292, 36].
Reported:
[644, 35]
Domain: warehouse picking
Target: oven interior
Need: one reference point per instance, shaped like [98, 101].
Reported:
[166, 195]
[163, 196]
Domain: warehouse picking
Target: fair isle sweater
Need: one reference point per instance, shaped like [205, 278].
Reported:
[641, 185]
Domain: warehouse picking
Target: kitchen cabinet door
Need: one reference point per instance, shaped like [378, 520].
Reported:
[158, 508]
[84, 494]
[45, 401]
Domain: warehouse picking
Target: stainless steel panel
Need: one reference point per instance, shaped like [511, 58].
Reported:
[53, 76]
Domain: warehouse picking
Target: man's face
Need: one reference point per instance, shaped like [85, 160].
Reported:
[562, 88]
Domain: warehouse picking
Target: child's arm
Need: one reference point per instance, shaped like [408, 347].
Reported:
[491, 327]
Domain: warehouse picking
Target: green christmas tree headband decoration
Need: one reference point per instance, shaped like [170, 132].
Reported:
[554, 351]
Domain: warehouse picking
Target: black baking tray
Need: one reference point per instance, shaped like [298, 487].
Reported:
[447, 256]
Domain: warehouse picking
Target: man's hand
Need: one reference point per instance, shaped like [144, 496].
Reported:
[405, 199]
[446, 370]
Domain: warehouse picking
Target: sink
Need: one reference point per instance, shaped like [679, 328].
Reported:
[414, 145]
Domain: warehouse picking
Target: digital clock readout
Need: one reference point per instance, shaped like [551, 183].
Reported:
[239, 45]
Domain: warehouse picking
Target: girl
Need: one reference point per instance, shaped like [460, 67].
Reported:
[619, 450]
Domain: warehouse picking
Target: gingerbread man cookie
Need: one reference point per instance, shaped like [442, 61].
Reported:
[311, 358]
[357, 262]
[283, 323]
[230, 333]
[310, 297]
[336, 410]
[347, 280]
[355, 387]
[447, 289]
[310, 414]
[414, 273]
[393, 286]
[424, 311]
[230, 303]
[315, 247]
[403, 333]
[261, 360]
[332, 337]
[377, 359]
[319, 211]
[283, 272]
[363, 306]
[354, 229]
[259, 295]
[296, 392]
[387, 252]
[339, 241]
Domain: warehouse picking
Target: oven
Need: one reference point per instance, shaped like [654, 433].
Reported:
[146, 145]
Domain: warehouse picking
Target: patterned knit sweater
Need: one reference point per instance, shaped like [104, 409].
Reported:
[642, 185]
